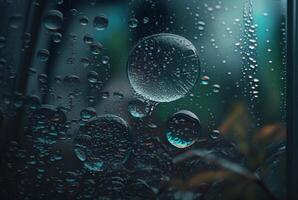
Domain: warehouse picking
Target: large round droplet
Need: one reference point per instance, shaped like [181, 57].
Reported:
[53, 20]
[183, 129]
[163, 67]
[103, 141]
[100, 22]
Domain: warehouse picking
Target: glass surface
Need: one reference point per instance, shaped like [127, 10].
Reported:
[143, 99]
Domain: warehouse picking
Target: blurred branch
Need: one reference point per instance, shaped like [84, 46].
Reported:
[228, 166]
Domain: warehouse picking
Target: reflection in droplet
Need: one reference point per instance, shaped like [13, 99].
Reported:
[163, 67]
[183, 129]
[53, 20]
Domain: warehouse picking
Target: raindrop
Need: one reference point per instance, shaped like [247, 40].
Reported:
[201, 25]
[88, 39]
[118, 95]
[56, 37]
[103, 141]
[84, 21]
[53, 20]
[163, 67]
[2, 41]
[183, 129]
[205, 80]
[15, 21]
[145, 20]
[43, 55]
[96, 48]
[85, 62]
[138, 108]
[133, 23]
[215, 134]
[93, 77]
[105, 60]
[88, 113]
[43, 78]
[100, 22]
[216, 88]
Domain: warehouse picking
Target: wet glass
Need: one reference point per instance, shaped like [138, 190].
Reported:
[152, 99]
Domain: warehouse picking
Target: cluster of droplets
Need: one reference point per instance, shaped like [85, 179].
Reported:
[250, 66]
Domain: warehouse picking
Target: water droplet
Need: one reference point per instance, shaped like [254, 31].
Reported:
[216, 88]
[138, 108]
[100, 22]
[93, 77]
[80, 154]
[43, 78]
[96, 48]
[163, 67]
[215, 134]
[183, 129]
[145, 20]
[56, 37]
[88, 39]
[53, 20]
[205, 80]
[15, 21]
[201, 25]
[105, 60]
[43, 55]
[85, 62]
[103, 140]
[2, 41]
[84, 21]
[88, 113]
[133, 23]
[118, 95]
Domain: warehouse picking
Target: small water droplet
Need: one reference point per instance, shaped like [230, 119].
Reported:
[138, 108]
[96, 48]
[56, 37]
[93, 77]
[84, 21]
[43, 55]
[100, 22]
[15, 21]
[53, 20]
[133, 23]
[183, 129]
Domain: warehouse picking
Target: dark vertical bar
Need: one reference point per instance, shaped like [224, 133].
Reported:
[292, 112]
